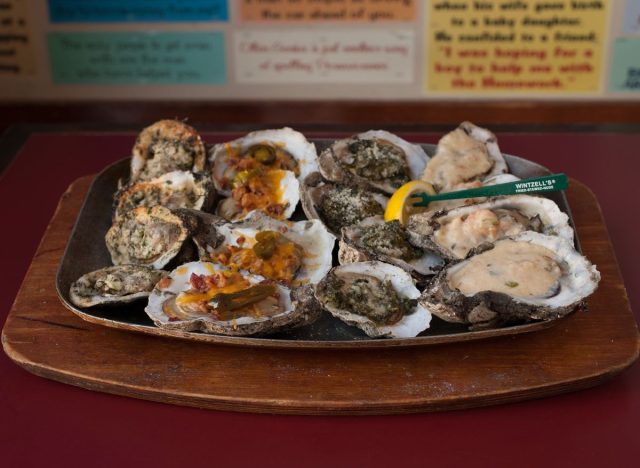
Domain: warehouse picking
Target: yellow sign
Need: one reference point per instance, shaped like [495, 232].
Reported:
[515, 46]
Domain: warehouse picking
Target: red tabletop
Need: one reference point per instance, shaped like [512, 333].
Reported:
[45, 421]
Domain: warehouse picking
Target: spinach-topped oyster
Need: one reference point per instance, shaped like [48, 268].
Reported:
[166, 146]
[114, 285]
[379, 298]
[375, 239]
[177, 189]
[375, 159]
[338, 206]
[148, 236]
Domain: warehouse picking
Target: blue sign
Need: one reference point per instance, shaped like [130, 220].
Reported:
[101, 11]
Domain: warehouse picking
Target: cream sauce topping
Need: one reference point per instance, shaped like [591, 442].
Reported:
[459, 159]
[520, 269]
[460, 235]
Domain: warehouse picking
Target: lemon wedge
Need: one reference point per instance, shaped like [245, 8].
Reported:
[400, 204]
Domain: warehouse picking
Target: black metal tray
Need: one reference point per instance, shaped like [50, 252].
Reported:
[86, 251]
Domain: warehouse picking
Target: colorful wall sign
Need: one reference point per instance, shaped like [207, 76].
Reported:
[515, 46]
[625, 66]
[16, 43]
[137, 57]
[316, 56]
[98, 11]
[371, 11]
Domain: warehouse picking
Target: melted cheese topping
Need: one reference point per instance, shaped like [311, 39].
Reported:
[519, 269]
[234, 283]
[459, 158]
[460, 235]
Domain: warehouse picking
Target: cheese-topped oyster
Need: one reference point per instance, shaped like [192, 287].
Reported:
[166, 146]
[261, 151]
[338, 206]
[527, 277]
[208, 297]
[177, 189]
[148, 236]
[379, 298]
[452, 234]
[114, 285]
[464, 155]
[374, 239]
[376, 159]
[287, 252]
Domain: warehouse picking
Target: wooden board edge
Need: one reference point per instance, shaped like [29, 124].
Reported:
[328, 408]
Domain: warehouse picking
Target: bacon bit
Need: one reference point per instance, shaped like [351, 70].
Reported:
[173, 319]
[275, 209]
[198, 282]
[224, 182]
[240, 240]
[164, 283]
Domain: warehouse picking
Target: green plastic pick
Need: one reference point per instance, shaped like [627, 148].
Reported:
[550, 183]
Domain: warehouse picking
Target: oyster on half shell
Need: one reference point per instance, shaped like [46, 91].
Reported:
[148, 236]
[166, 146]
[289, 252]
[207, 297]
[177, 189]
[114, 285]
[374, 239]
[379, 298]
[464, 155]
[452, 234]
[337, 205]
[375, 159]
[530, 276]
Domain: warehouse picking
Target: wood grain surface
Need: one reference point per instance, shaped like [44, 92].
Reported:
[584, 350]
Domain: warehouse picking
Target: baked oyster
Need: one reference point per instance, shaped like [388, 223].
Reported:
[261, 151]
[338, 206]
[376, 297]
[376, 159]
[530, 276]
[274, 192]
[453, 233]
[166, 146]
[148, 236]
[114, 285]
[374, 239]
[176, 189]
[287, 252]
[467, 154]
[208, 297]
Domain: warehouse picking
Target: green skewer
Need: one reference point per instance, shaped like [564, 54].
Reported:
[550, 183]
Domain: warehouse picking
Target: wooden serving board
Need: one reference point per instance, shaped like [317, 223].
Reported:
[583, 350]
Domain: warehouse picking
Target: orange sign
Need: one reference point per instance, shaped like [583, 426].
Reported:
[368, 11]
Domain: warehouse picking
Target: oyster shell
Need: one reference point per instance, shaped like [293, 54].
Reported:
[177, 189]
[374, 239]
[284, 149]
[114, 285]
[530, 276]
[376, 159]
[464, 155]
[166, 146]
[175, 304]
[148, 236]
[338, 206]
[303, 256]
[376, 297]
[453, 233]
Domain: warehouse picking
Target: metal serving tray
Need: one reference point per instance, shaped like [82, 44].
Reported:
[86, 251]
